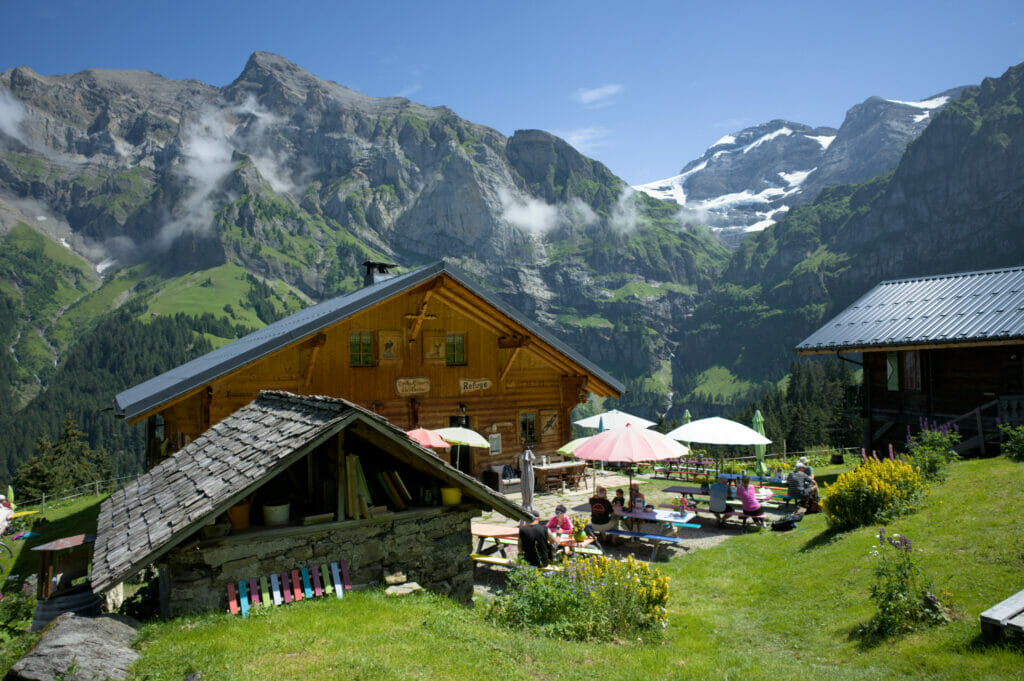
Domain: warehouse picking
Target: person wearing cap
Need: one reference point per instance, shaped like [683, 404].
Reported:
[535, 542]
[719, 494]
[802, 487]
[807, 467]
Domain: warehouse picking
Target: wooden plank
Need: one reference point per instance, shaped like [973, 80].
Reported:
[264, 591]
[276, 584]
[400, 484]
[254, 594]
[339, 591]
[286, 589]
[328, 588]
[232, 599]
[243, 598]
[1005, 610]
[344, 574]
[315, 574]
[307, 588]
[296, 586]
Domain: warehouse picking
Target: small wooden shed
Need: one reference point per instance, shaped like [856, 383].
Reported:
[356, 488]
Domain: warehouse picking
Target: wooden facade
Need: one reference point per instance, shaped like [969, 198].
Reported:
[972, 387]
[434, 354]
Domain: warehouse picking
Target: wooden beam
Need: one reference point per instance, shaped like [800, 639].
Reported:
[421, 312]
[318, 342]
[514, 341]
[508, 364]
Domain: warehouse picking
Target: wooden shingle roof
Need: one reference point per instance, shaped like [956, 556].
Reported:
[145, 519]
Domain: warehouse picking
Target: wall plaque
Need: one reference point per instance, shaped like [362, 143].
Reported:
[412, 386]
[468, 385]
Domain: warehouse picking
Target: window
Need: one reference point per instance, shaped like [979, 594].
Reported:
[455, 349]
[528, 428]
[910, 371]
[360, 348]
[892, 371]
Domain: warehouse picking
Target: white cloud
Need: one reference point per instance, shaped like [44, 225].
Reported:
[585, 140]
[597, 96]
[526, 212]
[409, 91]
[625, 215]
[12, 114]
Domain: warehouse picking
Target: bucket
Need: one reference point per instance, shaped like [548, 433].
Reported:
[276, 514]
[239, 515]
[451, 496]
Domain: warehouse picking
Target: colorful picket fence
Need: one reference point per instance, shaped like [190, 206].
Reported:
[298, 584]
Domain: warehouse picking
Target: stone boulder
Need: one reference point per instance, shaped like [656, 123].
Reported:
[79, 649]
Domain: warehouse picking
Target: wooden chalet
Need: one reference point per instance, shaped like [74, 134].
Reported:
[354, 489]
[427, 348]
[941, 350]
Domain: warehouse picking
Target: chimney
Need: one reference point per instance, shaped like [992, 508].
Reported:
[376, 272]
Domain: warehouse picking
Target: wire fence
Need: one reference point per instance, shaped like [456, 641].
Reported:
[94, 488]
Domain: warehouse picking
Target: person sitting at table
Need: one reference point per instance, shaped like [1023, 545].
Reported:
[636, 498]
[602, 516]
[802, 487]
[748, 497]
[718, 496]
[807, 467]
[560, 523]
[535, 542]
[619, 499]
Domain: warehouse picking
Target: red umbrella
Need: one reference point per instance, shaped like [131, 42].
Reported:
[427, 438]
[630, 445]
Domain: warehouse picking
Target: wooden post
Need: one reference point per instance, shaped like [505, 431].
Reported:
[42, 508]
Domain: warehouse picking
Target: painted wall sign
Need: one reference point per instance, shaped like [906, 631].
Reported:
[468, 385]
[412, 386]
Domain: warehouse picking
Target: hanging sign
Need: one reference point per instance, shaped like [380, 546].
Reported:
[412, 386]
[469, 385]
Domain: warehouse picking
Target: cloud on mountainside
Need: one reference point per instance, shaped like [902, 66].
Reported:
[12, 114]
[597, 97]
[537, 216]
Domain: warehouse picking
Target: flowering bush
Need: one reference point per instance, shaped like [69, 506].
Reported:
[931, 450]
[1013, 441]
[875, 490]
[901, 591]
[595, 597]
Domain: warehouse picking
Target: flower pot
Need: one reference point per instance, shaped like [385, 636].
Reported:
[451, 496]
[275, 515]
[238, 515]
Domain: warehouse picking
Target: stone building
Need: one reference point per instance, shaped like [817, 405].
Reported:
[355, 488]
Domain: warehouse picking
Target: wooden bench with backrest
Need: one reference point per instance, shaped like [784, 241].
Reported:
[1005, 615]
[655, 540]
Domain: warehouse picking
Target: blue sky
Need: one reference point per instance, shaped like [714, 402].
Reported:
[643, 87]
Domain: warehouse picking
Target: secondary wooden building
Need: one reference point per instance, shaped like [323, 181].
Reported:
[941, 350]
[423, 349]
[352, 488]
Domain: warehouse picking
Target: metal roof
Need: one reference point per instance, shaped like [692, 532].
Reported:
[195, 374]
[951, 309]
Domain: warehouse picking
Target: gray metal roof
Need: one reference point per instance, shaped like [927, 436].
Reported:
[967, 307]
[303, 324]
[142, 521]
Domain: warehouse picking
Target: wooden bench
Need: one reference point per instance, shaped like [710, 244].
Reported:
[1007, 614]
[722, 516]
[655, 540]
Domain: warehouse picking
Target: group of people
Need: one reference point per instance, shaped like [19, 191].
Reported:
[720, 492]
[539, 542]
[802, 486]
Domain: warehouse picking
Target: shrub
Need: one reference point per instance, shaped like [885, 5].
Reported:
[590, 598]
[931, 450]
[874, 491]
[16, 610]
[901, 591]
[1013, 441]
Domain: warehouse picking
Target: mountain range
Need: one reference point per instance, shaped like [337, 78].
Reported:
[748, 180]
[130, 202]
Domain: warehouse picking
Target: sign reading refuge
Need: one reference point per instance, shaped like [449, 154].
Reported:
[412, 386]
[468, 385]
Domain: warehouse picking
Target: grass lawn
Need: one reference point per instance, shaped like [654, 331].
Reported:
[759, 606]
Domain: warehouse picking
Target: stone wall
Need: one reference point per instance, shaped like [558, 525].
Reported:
[429, 546]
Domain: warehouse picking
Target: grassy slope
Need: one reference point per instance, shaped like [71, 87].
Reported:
[763, 605]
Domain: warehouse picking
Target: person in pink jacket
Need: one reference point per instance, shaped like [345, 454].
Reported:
[560, 523]
[748, 497]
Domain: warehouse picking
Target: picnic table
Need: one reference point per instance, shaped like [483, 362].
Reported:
[500, 535]
[556, 474]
